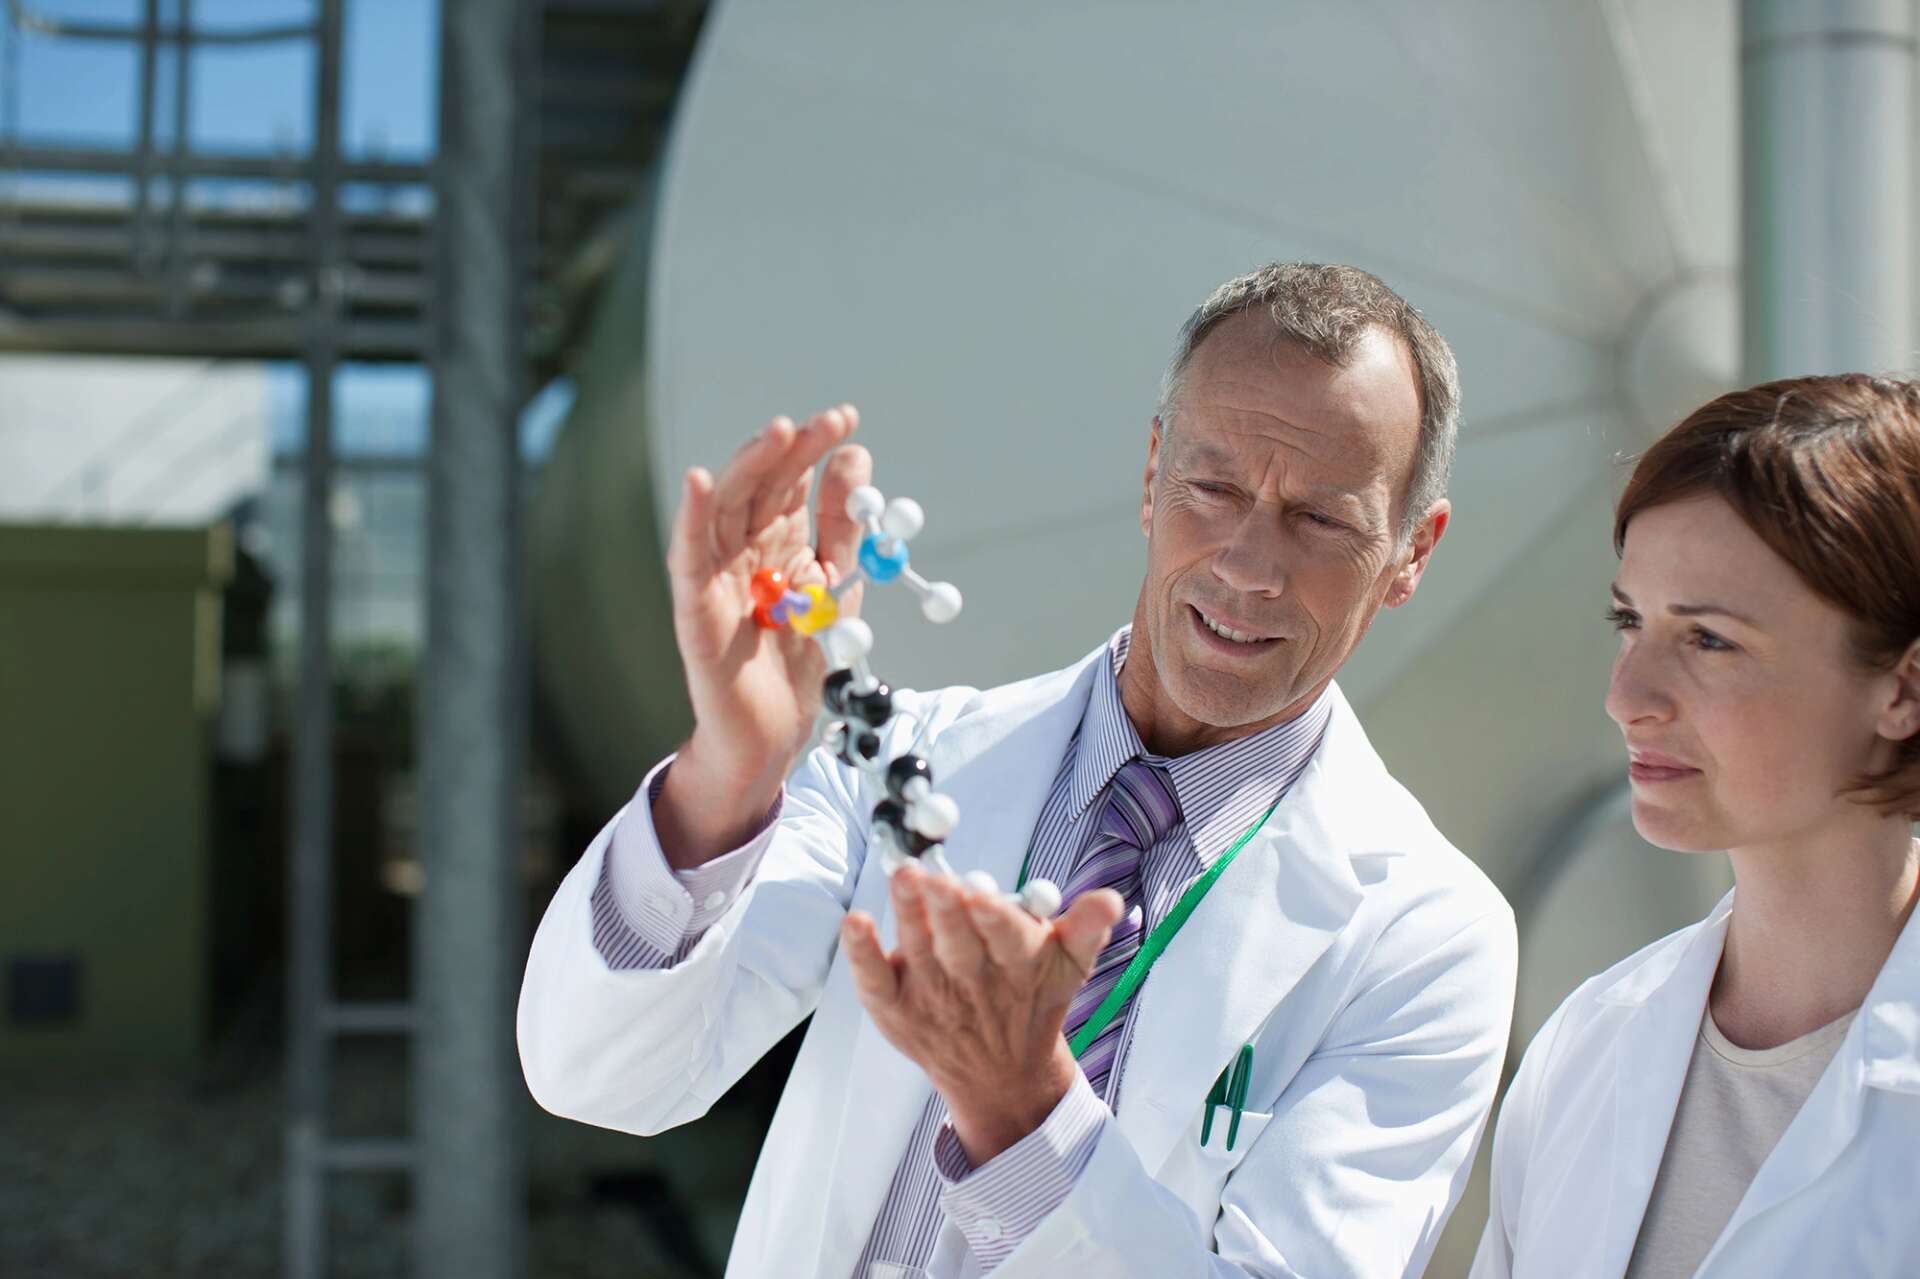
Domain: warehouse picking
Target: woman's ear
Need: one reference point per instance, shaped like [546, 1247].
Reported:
[1900, 718]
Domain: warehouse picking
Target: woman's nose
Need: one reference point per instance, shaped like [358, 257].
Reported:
[1634, 693]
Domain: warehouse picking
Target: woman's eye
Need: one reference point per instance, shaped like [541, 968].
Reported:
[1709, 642]
[1623, 619]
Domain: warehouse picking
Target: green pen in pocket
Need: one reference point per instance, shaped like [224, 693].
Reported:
[1229, 1090]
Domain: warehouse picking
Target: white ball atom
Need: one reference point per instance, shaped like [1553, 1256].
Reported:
[903, 519]
[847, 641]
[1041, 898]
[941, 603]
[981, 881]
[865, 503]
[935, 816]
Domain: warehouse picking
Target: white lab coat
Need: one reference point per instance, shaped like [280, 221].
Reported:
[1371, 964]
[1584, 1126]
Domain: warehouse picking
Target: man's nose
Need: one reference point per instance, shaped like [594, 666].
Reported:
[1253, 560]
[1636, 694]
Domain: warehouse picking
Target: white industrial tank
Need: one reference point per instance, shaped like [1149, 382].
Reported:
[984, 224]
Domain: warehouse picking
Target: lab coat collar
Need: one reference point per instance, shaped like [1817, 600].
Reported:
[1678, 958]
[1888, 1042]
[1890, 1018]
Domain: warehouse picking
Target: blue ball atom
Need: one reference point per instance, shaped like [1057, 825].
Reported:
[880, 565]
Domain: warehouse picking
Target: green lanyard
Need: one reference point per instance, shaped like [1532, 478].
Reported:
[1156, 942]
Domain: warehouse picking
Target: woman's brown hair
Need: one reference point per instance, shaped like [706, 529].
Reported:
[1826, 470]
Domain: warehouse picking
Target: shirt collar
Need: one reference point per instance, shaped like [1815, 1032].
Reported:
[1223, 789]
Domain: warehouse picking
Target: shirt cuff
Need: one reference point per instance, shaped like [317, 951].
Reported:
[997, 1205]
[662, 908]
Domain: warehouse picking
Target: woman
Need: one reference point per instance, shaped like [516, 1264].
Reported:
[1743, 1097]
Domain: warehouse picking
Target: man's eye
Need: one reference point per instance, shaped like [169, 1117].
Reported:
[1324, 521]
[1204, 487]
[1623, 619]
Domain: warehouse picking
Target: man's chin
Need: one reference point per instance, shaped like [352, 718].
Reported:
[1226, 708]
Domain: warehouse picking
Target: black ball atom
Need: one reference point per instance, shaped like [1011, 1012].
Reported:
[905, 769]
[834, 691]
[875, 706]
[890, 818]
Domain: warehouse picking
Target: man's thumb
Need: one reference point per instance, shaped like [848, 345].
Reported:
[1083, 930]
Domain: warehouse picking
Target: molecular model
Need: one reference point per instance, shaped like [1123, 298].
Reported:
[911, 823]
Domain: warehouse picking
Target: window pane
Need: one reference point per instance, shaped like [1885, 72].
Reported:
[391, 84]
[78, 92]
[252, 98]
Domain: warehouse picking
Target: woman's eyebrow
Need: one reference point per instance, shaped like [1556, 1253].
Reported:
[1692, 610]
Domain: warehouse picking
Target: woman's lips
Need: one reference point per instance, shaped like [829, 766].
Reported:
[1652, 767]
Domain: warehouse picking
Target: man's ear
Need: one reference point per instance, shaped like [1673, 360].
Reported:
[1153, 470]
[1406, 578]
[1900, 719]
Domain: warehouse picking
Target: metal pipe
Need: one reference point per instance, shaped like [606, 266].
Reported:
[309, 881]
[143, 156]
[42, 24]
[55, 159]
[1827, 144]
[467, 1098]
[177, 179]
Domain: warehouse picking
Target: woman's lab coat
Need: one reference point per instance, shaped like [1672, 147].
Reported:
[1583, 1128]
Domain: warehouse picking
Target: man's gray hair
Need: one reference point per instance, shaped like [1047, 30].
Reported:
[1326, 311]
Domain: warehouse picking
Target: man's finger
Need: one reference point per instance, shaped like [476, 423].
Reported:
[873, 976]
[1083, 930]
[910, 910]
[837, 537]
[821, 434]
[740, 483]
[796, 499]
[957, 946]
[1012, 937]
[690, 554]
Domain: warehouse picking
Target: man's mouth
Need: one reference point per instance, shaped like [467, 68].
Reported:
[1230, 633]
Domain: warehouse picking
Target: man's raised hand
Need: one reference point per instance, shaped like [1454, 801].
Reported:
[754, 691]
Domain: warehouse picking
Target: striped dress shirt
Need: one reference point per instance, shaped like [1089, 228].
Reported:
[647, 916]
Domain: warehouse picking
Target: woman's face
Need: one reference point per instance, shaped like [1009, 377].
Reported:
[1745, 712]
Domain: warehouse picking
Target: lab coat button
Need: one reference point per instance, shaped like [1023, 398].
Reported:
[988, 1228]
[715, 900]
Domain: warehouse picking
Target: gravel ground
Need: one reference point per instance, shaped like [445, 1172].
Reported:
[106, 1179]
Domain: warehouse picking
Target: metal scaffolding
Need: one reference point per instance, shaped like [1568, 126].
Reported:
[488, 276]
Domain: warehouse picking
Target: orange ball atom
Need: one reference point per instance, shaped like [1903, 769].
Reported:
[769, 585]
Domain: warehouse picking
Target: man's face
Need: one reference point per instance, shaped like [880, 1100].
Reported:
[1271, 506]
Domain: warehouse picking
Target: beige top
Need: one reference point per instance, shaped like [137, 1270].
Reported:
[1734, 1105]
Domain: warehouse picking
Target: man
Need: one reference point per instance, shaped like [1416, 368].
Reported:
[1298, 1084]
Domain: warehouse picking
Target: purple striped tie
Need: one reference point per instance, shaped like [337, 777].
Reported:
[1139, 809]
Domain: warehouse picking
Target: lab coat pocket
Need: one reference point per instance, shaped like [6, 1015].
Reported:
[1198, 1171]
